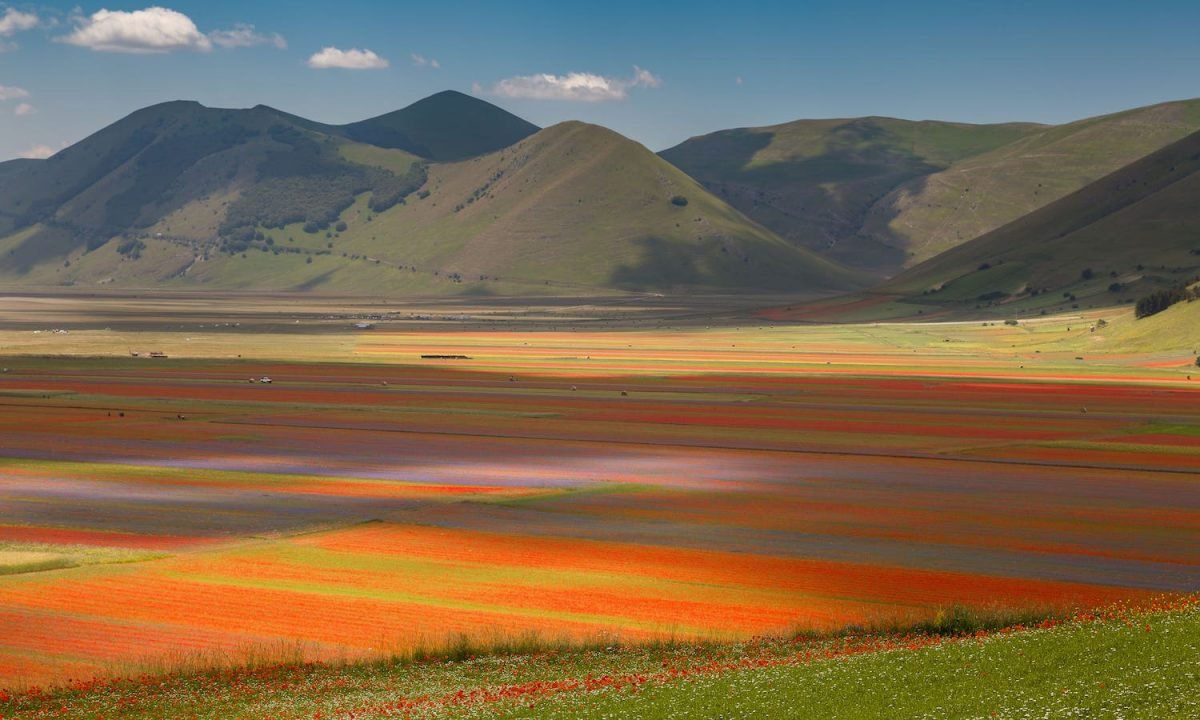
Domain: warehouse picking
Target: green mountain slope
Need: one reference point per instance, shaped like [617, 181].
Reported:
[980, 193]
[1125, 235]
[573, 209]
[580, 206]
[885, 194]
[183, 195]
[815, 182]
[228, 171]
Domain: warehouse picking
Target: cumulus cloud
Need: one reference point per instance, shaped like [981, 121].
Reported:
[245, 35]
[421, 61]
[352, 59]
[38, 152]
[14, 21]
[153, 30]
[10, 92]
[24, 109]
[576, 86]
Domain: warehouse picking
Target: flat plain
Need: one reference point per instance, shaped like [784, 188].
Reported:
[581, 471]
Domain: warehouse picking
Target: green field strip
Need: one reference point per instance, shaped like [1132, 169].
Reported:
[1118, 446]
[1157, 428]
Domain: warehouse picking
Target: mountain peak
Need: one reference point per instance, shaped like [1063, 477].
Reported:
[446, 126]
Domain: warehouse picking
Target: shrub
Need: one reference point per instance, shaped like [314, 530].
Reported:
[389, 190]
[131, 248]
[1087, 274]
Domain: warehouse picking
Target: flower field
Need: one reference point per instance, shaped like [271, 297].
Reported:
[582, 487]
[1140, 664]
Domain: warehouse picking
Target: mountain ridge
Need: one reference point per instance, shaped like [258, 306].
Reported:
[884, 205]
[179, 194]
[1130, 233]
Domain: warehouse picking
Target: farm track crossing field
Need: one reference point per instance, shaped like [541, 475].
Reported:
[642, 481]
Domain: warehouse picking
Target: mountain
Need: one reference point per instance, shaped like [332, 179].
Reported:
[237, 168]
[575, 207]
[184, 195]
[883, 194]
[1130, 233]
[14, 166]
[985, 191]
[443, 127]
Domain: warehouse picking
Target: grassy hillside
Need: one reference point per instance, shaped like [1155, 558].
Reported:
[1142, 667]
[981, 193]
[182, 195]
[198, 177]
[1125, 663]
[209, 180]
[814, 182]
[1130, 233]
[575, 208]
[885, 194]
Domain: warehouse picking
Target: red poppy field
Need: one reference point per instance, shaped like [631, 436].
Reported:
[633, 484]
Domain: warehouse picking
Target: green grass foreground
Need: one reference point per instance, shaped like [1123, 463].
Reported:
[1117, 664]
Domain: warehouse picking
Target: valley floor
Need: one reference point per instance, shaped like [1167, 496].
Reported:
[586, 472]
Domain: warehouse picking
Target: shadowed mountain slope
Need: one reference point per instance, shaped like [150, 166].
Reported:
[444, 127]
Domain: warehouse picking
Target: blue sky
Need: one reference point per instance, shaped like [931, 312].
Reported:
[657, 72]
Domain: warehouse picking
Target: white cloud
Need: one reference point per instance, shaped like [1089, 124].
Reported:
[14, 21]
[421, 61]
[645, 78]
[738, 80]
[352, 59]
[24, 109]
[576, 86]
[38, 152]
[153, 30]
[9, 92]
[245, 35]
